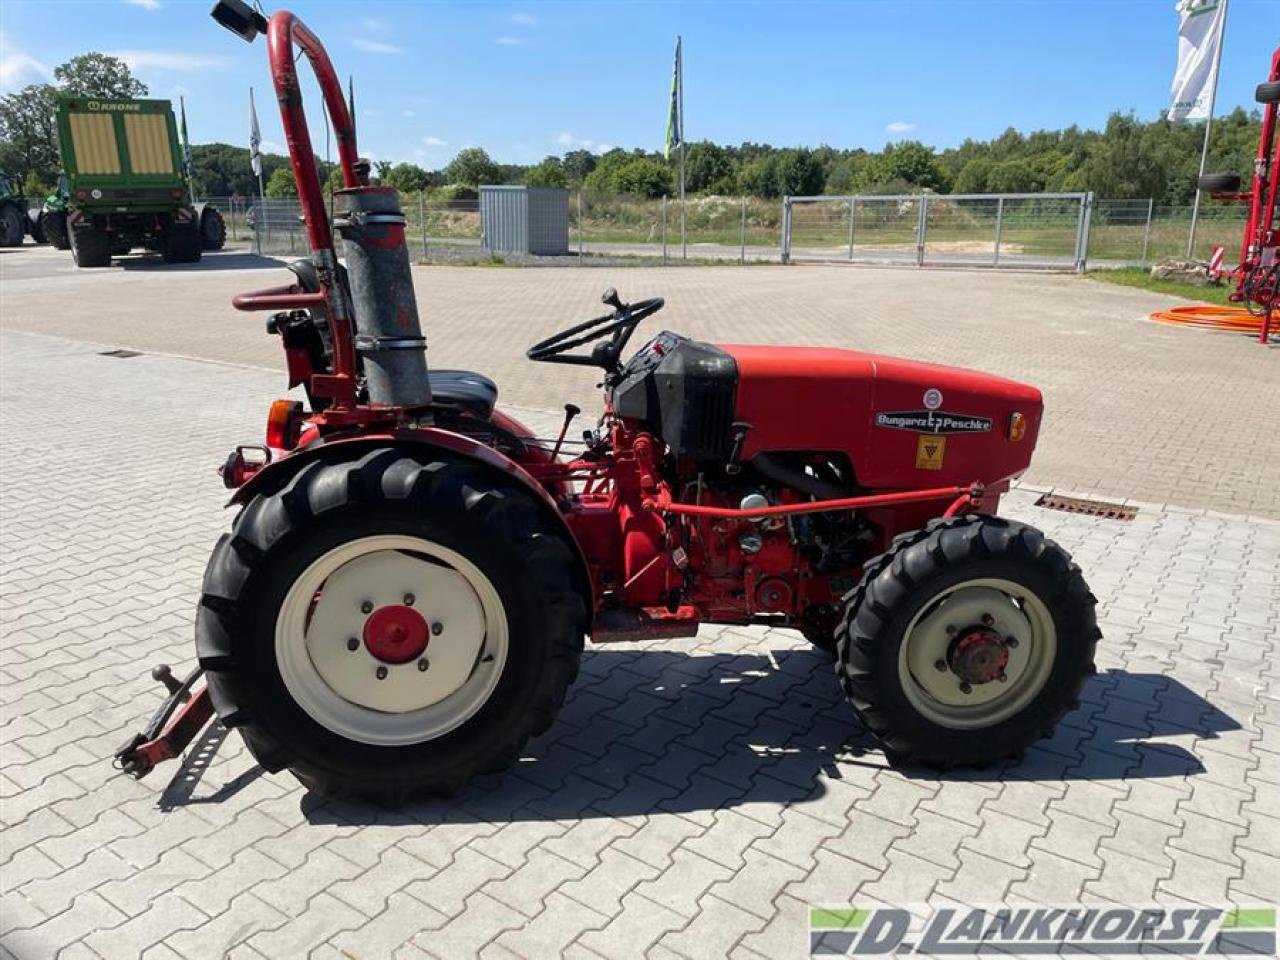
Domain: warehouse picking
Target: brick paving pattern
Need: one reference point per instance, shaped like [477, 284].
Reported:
[693, 797]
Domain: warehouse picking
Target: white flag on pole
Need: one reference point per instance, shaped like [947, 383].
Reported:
[255, 138]
[1199, 38]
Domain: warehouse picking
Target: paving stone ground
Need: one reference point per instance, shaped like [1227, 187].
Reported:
[692, 798]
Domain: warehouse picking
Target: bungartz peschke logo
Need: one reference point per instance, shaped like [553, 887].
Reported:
[1004, 930]
[932, 421]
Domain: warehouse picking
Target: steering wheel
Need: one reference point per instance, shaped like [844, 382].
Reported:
[617, 327]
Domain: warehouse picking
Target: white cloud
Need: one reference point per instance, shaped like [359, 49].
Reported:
[510, 41]
[524, 19]
[144, 4]
[18, 68]
[373, 24]
[567, 139]
[169, 60]
[435, 142]
[900, 126]
[376, 46]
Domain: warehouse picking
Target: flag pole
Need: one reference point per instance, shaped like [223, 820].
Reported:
[1208, 128]
[684, 236]
[264, 217]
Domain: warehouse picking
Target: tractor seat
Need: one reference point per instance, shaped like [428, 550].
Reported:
[473, 392]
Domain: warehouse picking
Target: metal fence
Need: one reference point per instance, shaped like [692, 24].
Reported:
[1009, 230]
[1041, 231]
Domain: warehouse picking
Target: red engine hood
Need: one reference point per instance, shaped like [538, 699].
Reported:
[877, 409]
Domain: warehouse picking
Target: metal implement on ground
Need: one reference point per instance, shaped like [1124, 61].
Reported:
[124, 185]
[1257, 275]
[403, 598]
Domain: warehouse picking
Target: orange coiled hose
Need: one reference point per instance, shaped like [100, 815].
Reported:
[1211, 317]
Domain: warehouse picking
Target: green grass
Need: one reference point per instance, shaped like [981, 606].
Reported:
[1140, 277]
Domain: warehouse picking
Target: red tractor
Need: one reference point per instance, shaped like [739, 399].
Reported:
[403, 597]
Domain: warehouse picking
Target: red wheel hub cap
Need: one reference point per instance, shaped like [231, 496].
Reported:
[979, 656]
[396, 634]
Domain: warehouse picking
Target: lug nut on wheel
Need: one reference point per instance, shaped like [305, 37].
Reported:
[366, 607]
[353, 644]
[408, 599]
[965, 688]
[423, 664]
[437, 628]
[1011, 642]
[988, 619]
[382, 673]
[940, 666]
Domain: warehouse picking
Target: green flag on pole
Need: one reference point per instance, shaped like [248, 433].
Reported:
[186, 141]
[675, 122]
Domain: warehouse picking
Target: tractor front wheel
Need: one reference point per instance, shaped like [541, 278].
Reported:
[966, 641]
[390, 626]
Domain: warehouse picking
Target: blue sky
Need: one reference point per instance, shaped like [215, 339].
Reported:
[528, 79]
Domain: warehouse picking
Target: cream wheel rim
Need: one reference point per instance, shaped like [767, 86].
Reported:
[1016, 627]
[329, 660]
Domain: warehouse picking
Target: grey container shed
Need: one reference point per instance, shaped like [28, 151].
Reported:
[531, 220]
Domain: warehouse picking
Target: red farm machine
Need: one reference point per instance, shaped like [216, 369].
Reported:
[1257, 275]
[404, 594]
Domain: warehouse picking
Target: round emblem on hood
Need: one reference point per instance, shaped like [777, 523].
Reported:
[932, 398]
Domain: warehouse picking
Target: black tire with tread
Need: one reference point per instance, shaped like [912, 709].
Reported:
[488, 518]
[1219, 183]
[54, 225]
[213, 230]
[897, 584]
[181, 243]
[91, 247]
[1267, 92]
[12, 225]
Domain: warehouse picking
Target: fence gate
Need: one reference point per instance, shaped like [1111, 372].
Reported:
[1030, 230]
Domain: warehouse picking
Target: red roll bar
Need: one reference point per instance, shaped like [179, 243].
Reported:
[284, 32]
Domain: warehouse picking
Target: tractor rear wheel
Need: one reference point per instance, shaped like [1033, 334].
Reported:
[54, 225]
[966, 641]
[12, 229]
[181, 243]
[390, 626]
[213, 231]
[91, 247]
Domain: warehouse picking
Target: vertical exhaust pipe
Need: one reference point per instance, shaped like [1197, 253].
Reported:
[388, 332]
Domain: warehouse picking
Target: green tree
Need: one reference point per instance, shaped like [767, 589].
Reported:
[405, 177]
[549, 173]
[911, 161]
[708, 168]
[578, 163]
[28, 133]
[642, 177]
[471, 167]
[974, 176]
[98, 75]
[799, 174]
[759, 177]
[281, 185]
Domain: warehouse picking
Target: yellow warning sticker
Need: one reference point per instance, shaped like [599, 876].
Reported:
[929, 452]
